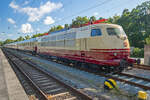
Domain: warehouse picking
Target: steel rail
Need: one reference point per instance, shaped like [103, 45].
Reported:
[122, 80]
[145, 67]
[116, 78]
[137, 77]
[125, 81]
[79, 93]
[30, 80]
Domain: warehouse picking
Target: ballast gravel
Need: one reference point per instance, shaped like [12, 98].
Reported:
[88, 82]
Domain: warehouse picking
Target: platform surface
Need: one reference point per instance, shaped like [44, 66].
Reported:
[10, 87]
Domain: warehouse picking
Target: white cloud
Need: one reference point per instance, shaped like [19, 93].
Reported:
[15, 26]
[26, 28]
[13, 5]
[26, 2]
[35, 14]
[48, 20]
[10, 20]
[96, 14]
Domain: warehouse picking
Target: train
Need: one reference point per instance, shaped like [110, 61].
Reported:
[99, 44]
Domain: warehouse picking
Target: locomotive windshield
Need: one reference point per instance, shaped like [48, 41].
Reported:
[115, 31]
[119, 32]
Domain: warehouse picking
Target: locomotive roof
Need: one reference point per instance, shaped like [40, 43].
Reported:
[101, 24]
[24, 41]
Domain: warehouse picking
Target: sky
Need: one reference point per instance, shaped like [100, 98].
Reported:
[28, 17]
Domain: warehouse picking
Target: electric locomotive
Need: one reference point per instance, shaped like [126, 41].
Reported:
[101, 44]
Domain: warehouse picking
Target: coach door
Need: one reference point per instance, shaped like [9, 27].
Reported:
[83, 44]
[83, 48]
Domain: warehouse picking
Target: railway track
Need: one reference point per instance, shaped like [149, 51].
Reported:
[28, 87]
[145, 67]
[128, 78]
[134, 80]
[48, 86]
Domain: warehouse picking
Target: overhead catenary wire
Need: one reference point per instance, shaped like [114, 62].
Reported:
[66, 4]
[82, 11]
[90, 8]
[85, 10]
[9, 27]
[14, 1]
[21, 19]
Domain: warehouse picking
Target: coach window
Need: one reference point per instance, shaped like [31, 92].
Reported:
[96, 32]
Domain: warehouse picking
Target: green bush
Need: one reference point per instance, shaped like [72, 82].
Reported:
[138, 52]
[147, 40]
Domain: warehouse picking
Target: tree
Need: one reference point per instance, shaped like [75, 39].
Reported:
[79, 21]
[55, 28]
[115, 19]
[59, 27]
[137, 52]
[125, 11]
[147, 40]
[135, 23]
[92, 18]
[101, 18]
[37, 35]
[52, 29]
[8, 41]
[1, 43]
[66, 26]
[27, 37]
[110, 20]
[20, 39]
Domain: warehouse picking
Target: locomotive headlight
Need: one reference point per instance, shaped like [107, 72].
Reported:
[115, 54]
[125, 43]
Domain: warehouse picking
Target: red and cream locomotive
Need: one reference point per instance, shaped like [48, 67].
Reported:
[101, 44]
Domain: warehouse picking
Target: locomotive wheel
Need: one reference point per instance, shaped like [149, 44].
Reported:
[123, 65]
[107, 69]
[77, 64]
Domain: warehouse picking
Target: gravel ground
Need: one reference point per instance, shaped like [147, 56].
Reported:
[139, 72]
[88, 82]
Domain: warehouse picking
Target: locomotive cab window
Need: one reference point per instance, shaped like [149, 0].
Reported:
[112, 31]
[96, 32]
[115, 31]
